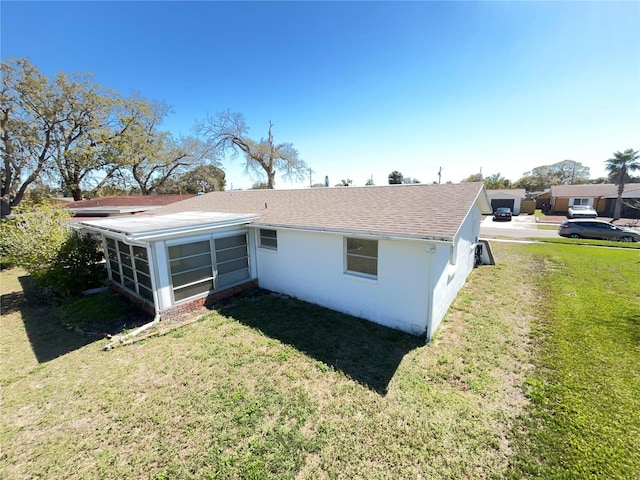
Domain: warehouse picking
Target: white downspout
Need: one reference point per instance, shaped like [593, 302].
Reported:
[156, 303]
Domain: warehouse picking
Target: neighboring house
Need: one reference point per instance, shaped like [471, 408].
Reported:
[121, 204]
[602, 197]
[511, 198]
[396, 255]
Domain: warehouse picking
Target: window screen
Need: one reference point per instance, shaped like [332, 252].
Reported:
[362, 256]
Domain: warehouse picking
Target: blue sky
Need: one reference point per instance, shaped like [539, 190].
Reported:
[365, 88]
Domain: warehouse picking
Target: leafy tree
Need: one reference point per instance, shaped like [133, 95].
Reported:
[84, 127]
[493, 182]
[227, 133]
[395, 178]
[344, 183]
[72, 129]
[408, 180]
[28, 119]
[201, 179]
[370, 182]
[496, 182]
[259, 186]
[619, 168]
[476, 177]
[39, 193]
[566, 172]
[147, 156]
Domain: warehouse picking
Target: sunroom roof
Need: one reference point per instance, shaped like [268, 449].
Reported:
[154, 226]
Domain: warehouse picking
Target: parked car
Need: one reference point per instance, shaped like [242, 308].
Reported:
[597, 229]
[502, 213]
[582, 211]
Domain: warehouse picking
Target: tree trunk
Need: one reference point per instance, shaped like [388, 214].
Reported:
[5, 206]
[76, 192]
[617, 212]
[271, 179]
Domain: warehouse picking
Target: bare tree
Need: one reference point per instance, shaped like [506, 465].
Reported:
[227, 133]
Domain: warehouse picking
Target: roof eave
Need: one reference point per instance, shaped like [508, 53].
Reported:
[361, 233]
[167, 232]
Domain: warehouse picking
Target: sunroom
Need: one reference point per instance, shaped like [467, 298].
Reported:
[170, 263]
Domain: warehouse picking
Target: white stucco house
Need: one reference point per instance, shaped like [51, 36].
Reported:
[396, 255]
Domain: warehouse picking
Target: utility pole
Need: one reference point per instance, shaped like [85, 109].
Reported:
[439, 174]
[310, 180]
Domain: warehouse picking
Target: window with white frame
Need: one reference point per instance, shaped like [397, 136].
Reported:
[129, 267]
[268, 239]
[191, 269]
[207, 265]
[232, 260]
[361, 256]
[581, 201]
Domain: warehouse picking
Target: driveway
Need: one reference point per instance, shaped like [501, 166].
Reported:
[520, 226]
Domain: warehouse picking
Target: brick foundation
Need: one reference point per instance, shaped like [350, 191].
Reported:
[138, 302]
[177, 311]
[205, 302]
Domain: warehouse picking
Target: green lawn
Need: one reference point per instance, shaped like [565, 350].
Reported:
[528, 376]
[585, 392]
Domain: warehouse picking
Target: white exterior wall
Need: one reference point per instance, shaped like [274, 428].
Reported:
[450, 277]
[311, 266]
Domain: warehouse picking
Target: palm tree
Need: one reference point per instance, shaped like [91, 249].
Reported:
[619, 168]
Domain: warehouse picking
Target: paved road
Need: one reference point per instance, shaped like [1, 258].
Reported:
[522, 226]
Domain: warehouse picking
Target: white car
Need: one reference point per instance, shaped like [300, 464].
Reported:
[582, 211]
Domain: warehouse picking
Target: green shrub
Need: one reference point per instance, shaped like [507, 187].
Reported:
[77, 267]
[56, 257]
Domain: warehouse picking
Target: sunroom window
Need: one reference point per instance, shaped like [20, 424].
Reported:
[200, 267]
[129, 267]
[191, 269]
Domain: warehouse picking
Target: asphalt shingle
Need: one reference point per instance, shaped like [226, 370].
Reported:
[415, 211]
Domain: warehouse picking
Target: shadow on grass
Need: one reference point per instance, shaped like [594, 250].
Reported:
[366, 352]
[48, 336]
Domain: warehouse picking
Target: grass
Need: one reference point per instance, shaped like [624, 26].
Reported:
[585, 393]
[277, 388]
[591, 242]
[105, 308]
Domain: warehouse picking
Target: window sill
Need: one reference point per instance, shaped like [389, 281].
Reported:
[361, 276]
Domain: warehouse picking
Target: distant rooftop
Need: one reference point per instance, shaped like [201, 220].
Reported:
[631, 190]
[121, 204]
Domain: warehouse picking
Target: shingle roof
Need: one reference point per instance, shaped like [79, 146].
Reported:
[608, 190]
[416, 211]
[631, 190]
